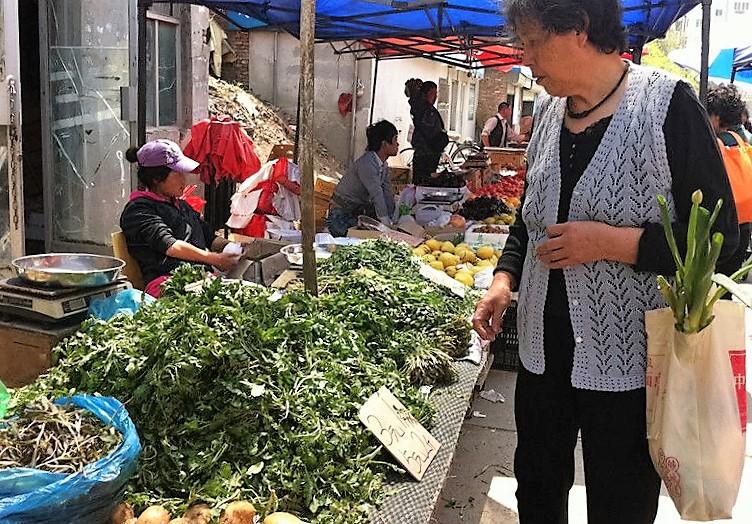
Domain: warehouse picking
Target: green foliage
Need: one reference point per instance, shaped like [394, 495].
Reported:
[238, 396]
[657, 56]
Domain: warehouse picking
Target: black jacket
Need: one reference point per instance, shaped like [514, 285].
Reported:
[152, 226]
[429, 135]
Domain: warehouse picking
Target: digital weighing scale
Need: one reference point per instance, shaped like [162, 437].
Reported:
[55, 305]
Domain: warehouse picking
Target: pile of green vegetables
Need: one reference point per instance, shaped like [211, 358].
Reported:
[237, 396]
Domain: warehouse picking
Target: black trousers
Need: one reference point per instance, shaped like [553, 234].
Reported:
[424, 164]
[621, 483]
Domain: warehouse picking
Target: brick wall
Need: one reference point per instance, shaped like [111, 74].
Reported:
[492, 91]
[238, 71]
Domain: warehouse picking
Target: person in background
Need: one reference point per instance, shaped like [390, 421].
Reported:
[498, 132]
[161, 230]
[726, 110]
[366, 188]
[429, 136]
[585, 252]
[747, 125]
[526, 127]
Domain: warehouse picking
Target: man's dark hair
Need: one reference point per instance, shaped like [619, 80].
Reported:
[725, 102]
[600, 19]
[382, 131]
[427, 87]
[503, 105]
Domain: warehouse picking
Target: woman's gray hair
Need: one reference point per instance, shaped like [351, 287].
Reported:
[600, 19]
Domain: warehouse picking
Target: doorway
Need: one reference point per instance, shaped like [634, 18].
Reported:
[33, 166]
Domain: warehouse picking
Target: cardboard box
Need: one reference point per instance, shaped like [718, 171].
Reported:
[399, 175]
[503, 157]
[497, 240]
[433, 232]
[325, 186]
[26, 350]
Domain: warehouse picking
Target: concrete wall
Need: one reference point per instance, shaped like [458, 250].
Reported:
[391, 103]
[273, 76]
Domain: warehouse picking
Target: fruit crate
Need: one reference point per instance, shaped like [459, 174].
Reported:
[506, 347]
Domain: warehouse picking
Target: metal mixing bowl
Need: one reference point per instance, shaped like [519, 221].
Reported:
[68, 269]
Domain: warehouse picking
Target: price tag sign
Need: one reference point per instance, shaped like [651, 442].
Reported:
[405, 438]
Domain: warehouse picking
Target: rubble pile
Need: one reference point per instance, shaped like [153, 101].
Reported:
[265, 124]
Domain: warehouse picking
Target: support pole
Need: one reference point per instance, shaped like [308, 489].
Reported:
[705, 53]
[373, 90]
[143, 6]
[307, 34]
[637, 55]
[354, 119]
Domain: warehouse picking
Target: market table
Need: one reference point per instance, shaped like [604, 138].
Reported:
[413, 502]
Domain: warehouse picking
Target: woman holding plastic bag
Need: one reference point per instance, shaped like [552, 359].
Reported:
[585, 252]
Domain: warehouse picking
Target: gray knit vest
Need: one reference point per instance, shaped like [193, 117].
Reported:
[607, 300]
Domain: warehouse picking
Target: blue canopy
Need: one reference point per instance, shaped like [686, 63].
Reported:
[732, 64]
[358, 19]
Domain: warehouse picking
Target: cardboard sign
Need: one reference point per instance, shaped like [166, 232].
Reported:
[442, 279]
[405, 438]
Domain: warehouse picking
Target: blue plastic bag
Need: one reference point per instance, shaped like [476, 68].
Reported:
[127, 302]
[32, 496]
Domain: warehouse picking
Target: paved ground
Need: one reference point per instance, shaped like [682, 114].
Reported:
[480, 487]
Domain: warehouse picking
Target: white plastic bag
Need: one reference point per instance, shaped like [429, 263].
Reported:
[696, 416]
[286, 203]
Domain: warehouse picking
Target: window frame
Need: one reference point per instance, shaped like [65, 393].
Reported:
[156, 19]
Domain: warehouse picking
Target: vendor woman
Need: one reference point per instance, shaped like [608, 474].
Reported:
[161, 230]
[366, 188]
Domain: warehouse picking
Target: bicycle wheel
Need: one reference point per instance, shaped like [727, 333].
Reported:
[406, 156]
[463, 153]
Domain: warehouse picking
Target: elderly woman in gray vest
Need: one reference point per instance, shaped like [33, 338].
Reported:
[609, 136]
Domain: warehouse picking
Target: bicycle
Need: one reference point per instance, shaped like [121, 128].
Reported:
[456, 152]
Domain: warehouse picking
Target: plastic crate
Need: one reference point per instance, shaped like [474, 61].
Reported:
[506, 347]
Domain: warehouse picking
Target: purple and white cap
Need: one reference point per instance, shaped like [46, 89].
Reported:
[166, 153]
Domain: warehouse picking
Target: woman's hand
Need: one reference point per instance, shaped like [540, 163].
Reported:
[574, 243]
[223, 261]
[488, 312]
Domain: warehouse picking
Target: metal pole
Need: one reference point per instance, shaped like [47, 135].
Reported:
[637, 55]
[296, 149]
[143, 6]
[354, 119]
[733, 74]
[373, 90]
[307, 35]
[705, 54]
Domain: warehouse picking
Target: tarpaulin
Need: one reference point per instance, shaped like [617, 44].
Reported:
[338, 20]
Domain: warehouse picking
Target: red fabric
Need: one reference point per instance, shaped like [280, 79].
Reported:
[154, 288]
[266, 201]
[345, 103]
[148, 194]
[280, 176]
[223, 149]
[196, 202]
[256, 227]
